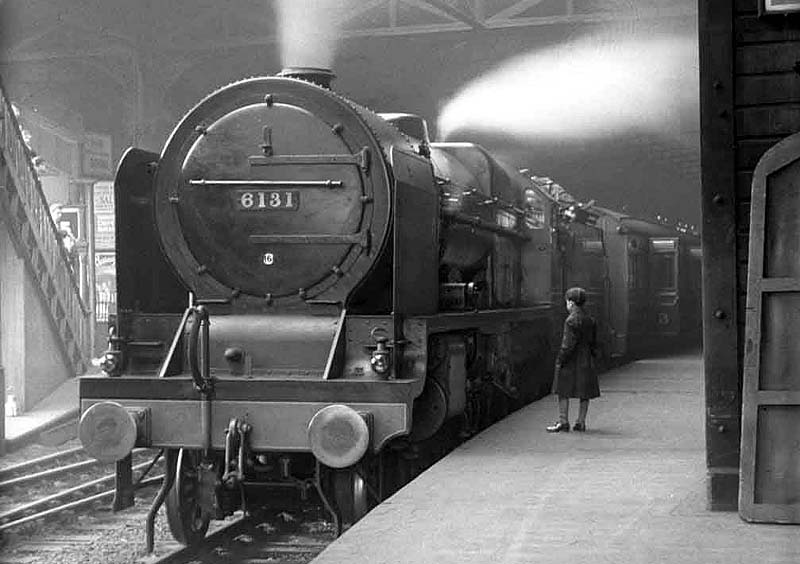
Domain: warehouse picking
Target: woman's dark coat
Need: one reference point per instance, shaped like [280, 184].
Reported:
[576, 376]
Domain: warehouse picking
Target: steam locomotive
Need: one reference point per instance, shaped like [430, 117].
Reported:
[310, 294]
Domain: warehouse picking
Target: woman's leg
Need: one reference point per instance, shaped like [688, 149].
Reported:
[584, 407]
[563, 409]
[563, 416]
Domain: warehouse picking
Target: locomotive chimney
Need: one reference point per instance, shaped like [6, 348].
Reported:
[317, 75]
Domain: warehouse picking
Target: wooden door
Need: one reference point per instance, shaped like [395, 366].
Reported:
[770, 454]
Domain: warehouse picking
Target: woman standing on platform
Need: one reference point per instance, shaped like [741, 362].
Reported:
[575, 374]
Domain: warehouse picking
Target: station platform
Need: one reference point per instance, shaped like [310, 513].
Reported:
[630, 490]
[60, 407]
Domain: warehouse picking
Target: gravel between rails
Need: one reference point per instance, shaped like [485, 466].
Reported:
[97, 535]
[89, 535]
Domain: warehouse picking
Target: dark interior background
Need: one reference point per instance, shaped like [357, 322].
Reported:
[132, 69]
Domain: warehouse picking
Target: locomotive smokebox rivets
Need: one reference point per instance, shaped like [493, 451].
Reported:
[719, 314]
[269, 100]
[337, 128]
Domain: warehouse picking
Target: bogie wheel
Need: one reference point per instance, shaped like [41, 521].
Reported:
[184, 513]
[351, 494]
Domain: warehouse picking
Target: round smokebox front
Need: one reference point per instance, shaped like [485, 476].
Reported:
[274, 197]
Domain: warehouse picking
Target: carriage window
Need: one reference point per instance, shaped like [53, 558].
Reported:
[663, 270]
[636, 271]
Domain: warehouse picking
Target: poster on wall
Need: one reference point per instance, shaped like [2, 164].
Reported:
[105, 276]
[96, 155]
[104, 216]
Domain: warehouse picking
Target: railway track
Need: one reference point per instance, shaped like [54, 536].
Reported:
[279, 539]
[56, 509]
[79, 483]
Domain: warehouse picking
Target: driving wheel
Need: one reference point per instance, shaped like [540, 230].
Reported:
[185, 515]
[351, 495]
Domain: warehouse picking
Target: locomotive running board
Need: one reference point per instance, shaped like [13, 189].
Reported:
[241, 389]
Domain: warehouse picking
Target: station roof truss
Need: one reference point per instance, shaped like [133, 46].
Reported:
[40, 30]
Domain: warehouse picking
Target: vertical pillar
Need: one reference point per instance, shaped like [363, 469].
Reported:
[12, 306]
[722, 350]
[2, 408]
[90, 271]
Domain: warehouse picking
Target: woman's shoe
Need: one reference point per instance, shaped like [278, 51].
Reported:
[558, 428]
[579, 426]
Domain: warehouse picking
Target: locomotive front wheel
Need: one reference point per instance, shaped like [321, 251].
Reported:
[187, 523]
[351, 495]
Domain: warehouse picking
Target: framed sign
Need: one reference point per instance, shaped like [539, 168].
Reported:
[70, 224]
[96, 156]
[104, 216]
[779, 6]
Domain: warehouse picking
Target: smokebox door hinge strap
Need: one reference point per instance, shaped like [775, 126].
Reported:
[267, 145]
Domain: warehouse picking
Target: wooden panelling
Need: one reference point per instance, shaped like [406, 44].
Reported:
[725, 434]
[752, 29]
[779, 331]
[746, 6]
[748, 151]
[777, 481]
[767, 89]
[770, 120]
[770, 57]
[743, 185]
[743, 220]
[742, 257]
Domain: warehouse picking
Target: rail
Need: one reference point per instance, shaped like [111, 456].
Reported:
[35, 235]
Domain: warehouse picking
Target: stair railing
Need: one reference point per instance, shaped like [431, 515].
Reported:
[35, 234]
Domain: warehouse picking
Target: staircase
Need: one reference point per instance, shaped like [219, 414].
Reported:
[25, 211]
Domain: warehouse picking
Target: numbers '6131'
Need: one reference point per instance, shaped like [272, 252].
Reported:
[264, 200]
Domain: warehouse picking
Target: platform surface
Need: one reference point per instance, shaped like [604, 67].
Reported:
[61, 405]
[630, 490]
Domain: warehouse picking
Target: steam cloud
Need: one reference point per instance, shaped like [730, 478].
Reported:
[589, 88]
[308, 32]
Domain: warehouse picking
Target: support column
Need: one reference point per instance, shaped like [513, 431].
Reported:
[12, 306]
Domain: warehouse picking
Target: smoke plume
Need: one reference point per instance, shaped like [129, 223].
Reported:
[593, 87]
[308, 32]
